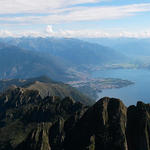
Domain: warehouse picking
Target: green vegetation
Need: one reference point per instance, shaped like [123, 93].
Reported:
[29, 122]
[46, 87]
[24, 111]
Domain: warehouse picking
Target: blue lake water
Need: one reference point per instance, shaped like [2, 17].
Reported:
[132, 93]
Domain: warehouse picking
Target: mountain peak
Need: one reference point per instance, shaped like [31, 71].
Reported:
[55, 123]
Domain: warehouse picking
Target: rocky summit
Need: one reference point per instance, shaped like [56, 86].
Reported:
[30, 122]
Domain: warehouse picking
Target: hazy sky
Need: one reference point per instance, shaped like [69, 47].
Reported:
[75, 18]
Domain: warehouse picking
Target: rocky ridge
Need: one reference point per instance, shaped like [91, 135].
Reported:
[29, 122]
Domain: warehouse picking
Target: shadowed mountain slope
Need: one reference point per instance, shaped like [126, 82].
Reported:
[19, 63]
[72, 52]
[29, 122]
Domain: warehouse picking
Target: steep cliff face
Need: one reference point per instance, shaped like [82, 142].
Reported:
[101, 127]
[38, 139]
[64, 124]
[29, 122]
[138, 127]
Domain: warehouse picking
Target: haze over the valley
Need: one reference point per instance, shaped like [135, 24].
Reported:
[94, 45]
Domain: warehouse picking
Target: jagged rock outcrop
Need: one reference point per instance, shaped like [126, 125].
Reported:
[45, 87]
[101, 127]
[138, 127]
[38, 139]
[57, 135]
[52, 123]
[15, 97]
[27, 118]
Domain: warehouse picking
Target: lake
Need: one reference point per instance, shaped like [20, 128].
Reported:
[140, 91]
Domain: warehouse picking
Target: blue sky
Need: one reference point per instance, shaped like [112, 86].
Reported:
[75, 18]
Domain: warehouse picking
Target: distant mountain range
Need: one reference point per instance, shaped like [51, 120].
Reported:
[129, 46]
[32, 57]
[71, 51]
[19, 63]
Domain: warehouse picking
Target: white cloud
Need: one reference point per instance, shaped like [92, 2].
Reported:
[49, 29]
[79, 14]
[77, 33]
[5, 33]
[37, 6]
[61, 11]
[82, 33]
[99, 33]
